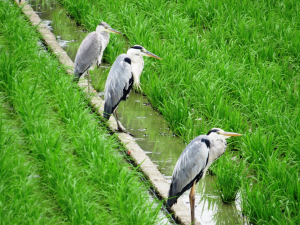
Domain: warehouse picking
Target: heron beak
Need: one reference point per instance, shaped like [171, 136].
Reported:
[230, 134]
[152, 55]
[113, 31]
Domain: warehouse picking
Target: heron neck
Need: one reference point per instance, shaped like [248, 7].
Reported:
[217, 149]
[104, 34]
[137, 66]
[137, 69]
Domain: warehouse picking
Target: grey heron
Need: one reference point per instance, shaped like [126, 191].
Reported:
[193, 163]
[124, 73]
[91, 50]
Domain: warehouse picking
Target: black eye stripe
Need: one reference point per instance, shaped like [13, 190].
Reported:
[104, 24]
[213, 130]
[137, 47]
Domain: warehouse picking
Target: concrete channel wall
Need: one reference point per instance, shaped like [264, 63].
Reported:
[180, 211]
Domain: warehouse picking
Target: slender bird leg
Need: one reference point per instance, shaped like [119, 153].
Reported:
[120, 127]
[88, 78]
[192, 203]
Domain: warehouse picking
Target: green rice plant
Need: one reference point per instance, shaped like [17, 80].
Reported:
[230, 172]
[232, 64]
[23, 197]
[59, 25]
[268, 196]
[99, 81]
[77, 160]
[256, 204]
[94, 150]
[258, 147]
[59, 170]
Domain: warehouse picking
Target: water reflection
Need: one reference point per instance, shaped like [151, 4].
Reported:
[150, 129]
[151, 132]
[68, 34]
[209, 207]
[153, 135]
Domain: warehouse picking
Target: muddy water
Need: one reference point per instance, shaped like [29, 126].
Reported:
[148, 127]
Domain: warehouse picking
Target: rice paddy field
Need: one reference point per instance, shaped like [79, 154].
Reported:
[58, 164]
[229, 64]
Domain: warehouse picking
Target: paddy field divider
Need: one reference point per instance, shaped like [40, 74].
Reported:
[233, 65]
[180, 211]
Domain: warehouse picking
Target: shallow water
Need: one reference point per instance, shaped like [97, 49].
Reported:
[149, 128]
[154, 137]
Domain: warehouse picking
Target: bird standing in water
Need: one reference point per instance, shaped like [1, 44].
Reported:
[193, 163]
[124, 73]
[91, 49]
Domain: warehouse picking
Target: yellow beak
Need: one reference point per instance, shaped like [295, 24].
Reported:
[231, 134]
[113, 31]
[152, 55]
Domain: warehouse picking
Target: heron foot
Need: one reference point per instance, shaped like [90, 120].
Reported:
[126, 132]
[121, 128]
[130, 134]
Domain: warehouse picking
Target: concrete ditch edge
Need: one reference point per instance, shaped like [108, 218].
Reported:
[180, 211]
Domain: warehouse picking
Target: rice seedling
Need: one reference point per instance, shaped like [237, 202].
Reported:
[230, 172]
[77, 161]
[23, 197]
[232, 64]
[99, 81]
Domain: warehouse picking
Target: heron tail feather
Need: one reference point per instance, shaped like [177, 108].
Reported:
[107, 111]
[106, 115]
[172, 199]
[76, 77]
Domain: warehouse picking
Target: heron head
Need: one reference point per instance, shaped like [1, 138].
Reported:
[140, 50]
[103, 26]
[217, 132]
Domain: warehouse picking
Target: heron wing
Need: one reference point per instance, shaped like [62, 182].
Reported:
[118, 84]
[88, 53]
[189, 167]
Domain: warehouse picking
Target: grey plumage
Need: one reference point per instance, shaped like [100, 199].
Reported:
[190, 167]
[118, 84]
[193, 162]
[91, 49]
[88, 53]
[125, 71]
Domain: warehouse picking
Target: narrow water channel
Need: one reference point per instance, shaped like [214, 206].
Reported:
[148, 127]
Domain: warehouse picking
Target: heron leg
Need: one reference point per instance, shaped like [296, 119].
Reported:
[88, 78]
[120, 127]
[192, 203]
